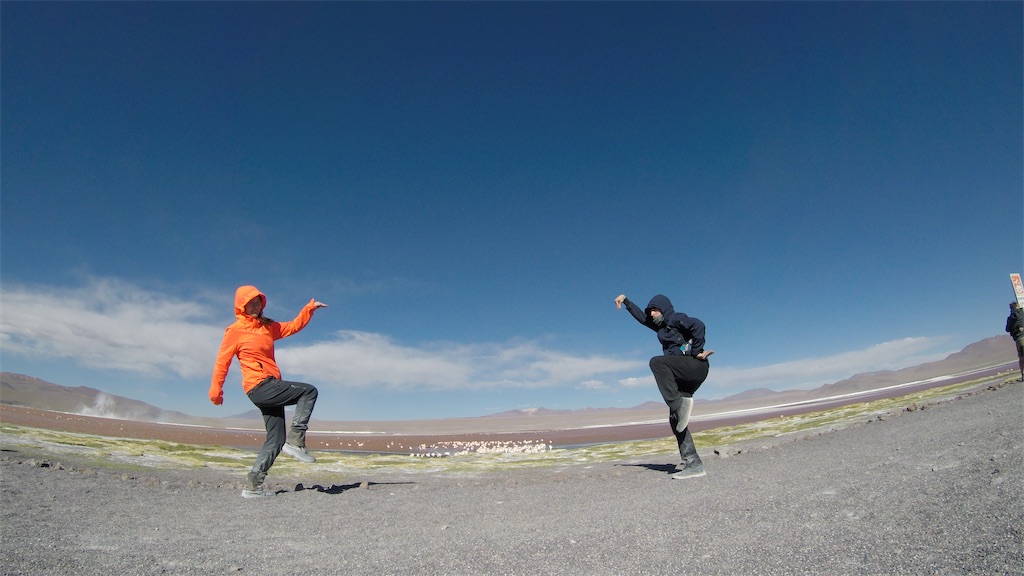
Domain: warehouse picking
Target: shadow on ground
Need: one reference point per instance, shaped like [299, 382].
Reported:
[666, 468]
[341, 488]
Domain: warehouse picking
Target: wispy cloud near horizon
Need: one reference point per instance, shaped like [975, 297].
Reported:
[113, 325]
[360, 359]
[109, 325]
[355, 358]
[812, 372]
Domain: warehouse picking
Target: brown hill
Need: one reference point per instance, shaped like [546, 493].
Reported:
[26, 391]
[21, 390]
[988, 352]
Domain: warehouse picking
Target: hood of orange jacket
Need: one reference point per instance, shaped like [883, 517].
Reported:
[243, 295]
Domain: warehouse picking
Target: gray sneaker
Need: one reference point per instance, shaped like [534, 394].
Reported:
[253, 487]
[259, 492]
[298, 452]
[692, 469]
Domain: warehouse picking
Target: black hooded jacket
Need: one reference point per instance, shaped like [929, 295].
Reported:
[675, 331]
[1015, 323]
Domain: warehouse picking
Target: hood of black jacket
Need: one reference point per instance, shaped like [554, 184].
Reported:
[661, 302]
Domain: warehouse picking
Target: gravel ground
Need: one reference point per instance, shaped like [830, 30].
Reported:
[938, 490]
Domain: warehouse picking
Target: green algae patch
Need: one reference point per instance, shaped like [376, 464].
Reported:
[135, 453]
[835, 418]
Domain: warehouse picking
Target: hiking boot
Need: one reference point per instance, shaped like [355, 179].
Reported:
[254, 487]
[299, 452]
[692, 469]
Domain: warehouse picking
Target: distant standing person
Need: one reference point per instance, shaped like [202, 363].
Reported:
[679, 371]
[251, 339]
[1015, 326]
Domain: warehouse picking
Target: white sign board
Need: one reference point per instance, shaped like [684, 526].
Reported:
[1018, 289]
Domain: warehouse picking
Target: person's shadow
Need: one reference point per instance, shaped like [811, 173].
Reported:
[342, 488]
[666, 468]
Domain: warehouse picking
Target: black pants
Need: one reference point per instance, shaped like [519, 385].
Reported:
[271, 396]
[678, 377]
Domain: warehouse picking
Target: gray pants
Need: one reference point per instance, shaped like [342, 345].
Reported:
[271, 396]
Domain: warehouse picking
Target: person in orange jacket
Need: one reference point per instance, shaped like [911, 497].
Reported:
[251, 339]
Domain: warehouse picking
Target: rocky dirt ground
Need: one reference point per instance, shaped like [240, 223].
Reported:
[936, 489]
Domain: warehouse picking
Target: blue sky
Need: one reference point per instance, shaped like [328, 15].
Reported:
[833, 188]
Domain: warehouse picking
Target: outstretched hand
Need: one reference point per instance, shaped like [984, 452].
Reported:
[317, 304]
[619, 300]
[704, 354]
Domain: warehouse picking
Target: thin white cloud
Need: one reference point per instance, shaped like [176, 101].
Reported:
[596, 385]
[813, 372]
[364, 359]
[109, 325]
[637, 382]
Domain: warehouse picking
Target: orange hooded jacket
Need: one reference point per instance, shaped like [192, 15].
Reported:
[252, 341]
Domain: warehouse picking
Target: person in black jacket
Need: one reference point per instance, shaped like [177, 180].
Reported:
[1015, 327]
[679, 371]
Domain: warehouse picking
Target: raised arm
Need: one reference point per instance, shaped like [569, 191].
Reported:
[633, 309]
[285, 329]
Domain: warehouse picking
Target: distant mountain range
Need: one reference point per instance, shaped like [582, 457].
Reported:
[22, 390]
